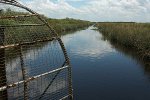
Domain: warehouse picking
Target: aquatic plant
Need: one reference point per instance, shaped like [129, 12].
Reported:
[131, 35]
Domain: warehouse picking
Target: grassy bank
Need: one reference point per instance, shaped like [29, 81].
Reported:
[24, 33]
[130, 35]
[68, 24]
[60, 25]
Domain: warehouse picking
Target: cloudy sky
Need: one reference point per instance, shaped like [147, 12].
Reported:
[93, 10]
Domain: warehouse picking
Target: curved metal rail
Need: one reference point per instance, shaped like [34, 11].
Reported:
[55, 37]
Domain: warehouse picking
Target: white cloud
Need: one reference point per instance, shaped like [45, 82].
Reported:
[94, 10]
[119, 10]
[61, 9]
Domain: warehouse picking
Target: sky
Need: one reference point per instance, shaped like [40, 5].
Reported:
[93, 10]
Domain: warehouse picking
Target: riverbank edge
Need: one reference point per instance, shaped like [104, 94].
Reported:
[142, 54]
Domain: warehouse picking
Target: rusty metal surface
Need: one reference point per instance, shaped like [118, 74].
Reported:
[34, 64]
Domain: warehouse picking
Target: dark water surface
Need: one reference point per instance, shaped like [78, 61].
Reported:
[102, 71]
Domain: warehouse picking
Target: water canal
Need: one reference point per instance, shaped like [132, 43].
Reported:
[102, 71]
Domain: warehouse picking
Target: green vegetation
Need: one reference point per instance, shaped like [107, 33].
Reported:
[24, 33]
[60, 25]
[68, 24]
[130, 35]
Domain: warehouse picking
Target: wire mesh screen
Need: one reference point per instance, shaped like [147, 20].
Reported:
[33, 61]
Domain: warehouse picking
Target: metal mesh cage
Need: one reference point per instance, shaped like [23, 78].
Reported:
[33, 61]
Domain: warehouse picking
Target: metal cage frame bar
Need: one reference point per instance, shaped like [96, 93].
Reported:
[56, 37]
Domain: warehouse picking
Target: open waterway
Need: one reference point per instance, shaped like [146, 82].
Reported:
[102, 71]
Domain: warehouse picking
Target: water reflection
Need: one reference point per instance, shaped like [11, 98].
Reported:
[87, 44]
[145, 63]
[101, 71]
[32, 60]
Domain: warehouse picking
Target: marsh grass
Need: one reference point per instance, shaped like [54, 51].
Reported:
[68, 24]
[21, 34]
[60, 25]
[130, 35]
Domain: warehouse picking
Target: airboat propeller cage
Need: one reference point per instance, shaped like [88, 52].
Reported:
[30, 47]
